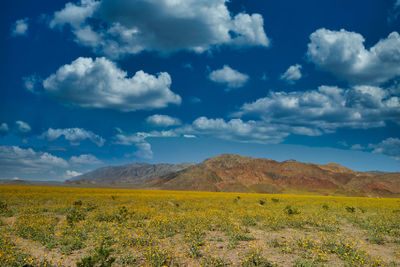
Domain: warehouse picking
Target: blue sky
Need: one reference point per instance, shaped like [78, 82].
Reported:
[88, 83]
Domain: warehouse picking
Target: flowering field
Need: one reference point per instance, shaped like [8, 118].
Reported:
[56, 226]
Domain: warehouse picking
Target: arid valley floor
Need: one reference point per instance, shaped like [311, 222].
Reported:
[59, 226]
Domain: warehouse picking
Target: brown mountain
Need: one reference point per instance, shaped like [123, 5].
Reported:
[234, 173]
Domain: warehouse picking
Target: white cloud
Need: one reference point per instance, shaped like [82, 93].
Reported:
[144, 150]
[20, 27]
[15, 160]
[100, 83]
[139, 137]
[73, 14]
[70, 174]
[357, 147]
[139, 141]
[74, 135]
[163, 120]
[326, 109]
[129, 139]
[235, 129]
[389, 147]
[4, 129]
[85, 159]
[343, 53]
[292, 74]
[129, 27]
[280, 114]
[228, 76]
[22, 127]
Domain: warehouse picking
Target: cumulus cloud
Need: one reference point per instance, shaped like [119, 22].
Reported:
[129, 27]
[326, 109]
[85, 159]
[389, 147]
[139, 137]
[343, 53]
[228, 76]
[22, 127]
[100, 83]
[4, 129]
[292, 74]
[70, 174]
[20, 27]
[236, 130]
[271, 119]
[74, 14]
[74, 135]
[163, 120]
[15, 160]
[144, 151]
[138, 140]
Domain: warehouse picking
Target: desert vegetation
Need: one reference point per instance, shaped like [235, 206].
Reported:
[59, 226]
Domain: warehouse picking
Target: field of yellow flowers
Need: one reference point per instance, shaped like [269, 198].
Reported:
[60, 226]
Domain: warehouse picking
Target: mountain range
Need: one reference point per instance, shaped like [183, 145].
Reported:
[234, 173]
[135, 173]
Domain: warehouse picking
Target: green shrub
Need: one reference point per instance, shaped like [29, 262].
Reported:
[78, 203]
[120, 215]
[255, 258]
[236, 199]
[75, 215]
[289, 210]
[3, 207]
[350, 209]
[276, 200]
[101, 257]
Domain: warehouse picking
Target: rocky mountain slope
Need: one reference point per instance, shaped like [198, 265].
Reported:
[128, 174]
[234, 173]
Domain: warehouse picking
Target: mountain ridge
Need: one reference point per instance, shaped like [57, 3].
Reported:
[236, 173]
[134, 173]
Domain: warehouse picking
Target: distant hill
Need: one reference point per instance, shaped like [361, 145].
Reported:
[14, 182]
[376, 172]
[234, 173]
[128, 174]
